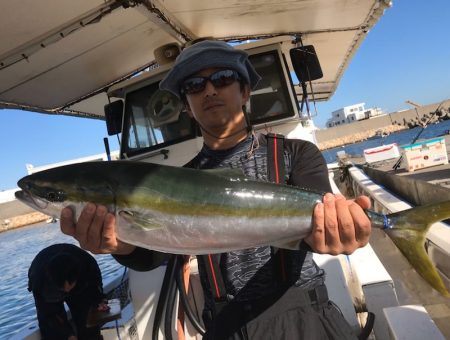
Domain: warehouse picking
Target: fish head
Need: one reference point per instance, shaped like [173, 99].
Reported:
[75, 185]
[46, 197]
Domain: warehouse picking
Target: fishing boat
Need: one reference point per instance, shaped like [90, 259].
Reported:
[104, 60]
[380, 133]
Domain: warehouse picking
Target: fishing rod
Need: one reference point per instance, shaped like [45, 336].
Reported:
[397, 164]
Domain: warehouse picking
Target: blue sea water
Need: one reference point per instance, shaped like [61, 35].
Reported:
[401, 138]
[18, 249]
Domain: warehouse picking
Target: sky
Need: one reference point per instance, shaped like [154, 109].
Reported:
[406, 56]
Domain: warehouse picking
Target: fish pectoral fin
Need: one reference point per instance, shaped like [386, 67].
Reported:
[145, 221]
[291, 245]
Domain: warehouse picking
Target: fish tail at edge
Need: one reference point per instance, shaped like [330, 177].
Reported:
[408, 230]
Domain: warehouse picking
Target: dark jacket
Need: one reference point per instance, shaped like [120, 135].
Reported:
[89, 281]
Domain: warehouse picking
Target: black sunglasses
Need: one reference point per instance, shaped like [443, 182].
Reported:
[220, 78]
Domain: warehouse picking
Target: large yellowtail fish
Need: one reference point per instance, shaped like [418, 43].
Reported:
[187, 211]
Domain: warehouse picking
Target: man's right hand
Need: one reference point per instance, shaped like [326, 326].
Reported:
[95, 230]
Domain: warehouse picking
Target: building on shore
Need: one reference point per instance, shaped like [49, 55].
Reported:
[352, 113]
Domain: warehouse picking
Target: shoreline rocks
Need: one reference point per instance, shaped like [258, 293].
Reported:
[359, 136]
[22, 221]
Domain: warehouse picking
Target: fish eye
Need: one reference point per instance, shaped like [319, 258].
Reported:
[55, 196]
[51, 196]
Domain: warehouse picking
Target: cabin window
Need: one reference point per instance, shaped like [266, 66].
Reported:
[154, 119]
[270, 100]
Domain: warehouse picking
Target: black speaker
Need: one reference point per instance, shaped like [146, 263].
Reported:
[306, 64]
[114, 117]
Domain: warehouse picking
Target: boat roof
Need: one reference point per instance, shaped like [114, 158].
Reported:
[61, 56]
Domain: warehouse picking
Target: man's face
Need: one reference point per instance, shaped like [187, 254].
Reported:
[218, 109]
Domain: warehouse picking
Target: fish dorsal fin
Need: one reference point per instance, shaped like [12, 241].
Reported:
[227, 173]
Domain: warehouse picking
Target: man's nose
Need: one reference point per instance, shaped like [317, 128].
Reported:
[210, 89]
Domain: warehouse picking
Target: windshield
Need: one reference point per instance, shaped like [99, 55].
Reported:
[270, 100]
[155, 118]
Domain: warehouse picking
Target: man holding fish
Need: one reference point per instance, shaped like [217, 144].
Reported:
[268, 292]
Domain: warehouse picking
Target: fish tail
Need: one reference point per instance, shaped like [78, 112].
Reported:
[408, 229]
[421, 217]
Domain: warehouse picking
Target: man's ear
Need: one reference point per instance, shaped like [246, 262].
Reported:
[245, 94]
[188, 109]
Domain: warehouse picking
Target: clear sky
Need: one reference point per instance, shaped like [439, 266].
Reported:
[406, 56]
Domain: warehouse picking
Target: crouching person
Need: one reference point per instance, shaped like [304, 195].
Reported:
[66, 273]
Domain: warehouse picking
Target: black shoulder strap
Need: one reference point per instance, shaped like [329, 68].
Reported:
[276, 173]
[211, 263]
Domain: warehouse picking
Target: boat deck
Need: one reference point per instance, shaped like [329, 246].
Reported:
[410, 287]
[439, 174]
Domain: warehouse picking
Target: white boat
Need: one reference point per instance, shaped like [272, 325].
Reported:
[73, 58]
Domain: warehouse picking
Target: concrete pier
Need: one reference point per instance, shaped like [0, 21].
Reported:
[392, 122]
[15, 214]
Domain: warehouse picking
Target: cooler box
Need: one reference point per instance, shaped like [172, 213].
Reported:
[424, 154]
[381, 153]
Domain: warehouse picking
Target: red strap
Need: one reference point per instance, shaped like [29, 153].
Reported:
[211, 263]
[214, 278]
[275, 167]
[275, 158]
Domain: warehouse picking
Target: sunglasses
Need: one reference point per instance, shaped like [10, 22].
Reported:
[219, 79]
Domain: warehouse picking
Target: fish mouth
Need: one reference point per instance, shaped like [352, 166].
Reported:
[35, 202]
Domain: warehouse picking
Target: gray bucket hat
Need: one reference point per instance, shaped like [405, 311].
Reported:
[206, 54]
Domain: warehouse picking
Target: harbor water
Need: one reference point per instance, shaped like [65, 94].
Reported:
[19, 246]
[403, 137]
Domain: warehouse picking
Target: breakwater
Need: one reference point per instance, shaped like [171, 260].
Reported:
[393, 122]
[22, 220]
[358, 136]
[15, 214]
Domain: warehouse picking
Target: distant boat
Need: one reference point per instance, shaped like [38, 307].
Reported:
[379, 134]
[52, 220]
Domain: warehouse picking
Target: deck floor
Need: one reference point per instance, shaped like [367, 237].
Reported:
[410, 287]
[439, 174]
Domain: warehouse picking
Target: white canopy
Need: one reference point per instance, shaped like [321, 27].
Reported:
[56, 54]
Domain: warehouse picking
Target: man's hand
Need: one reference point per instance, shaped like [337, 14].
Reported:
[103, 307]
[340, 226]
[95, 230]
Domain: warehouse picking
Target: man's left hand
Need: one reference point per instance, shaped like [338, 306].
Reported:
[339, 226]
[103, 307]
